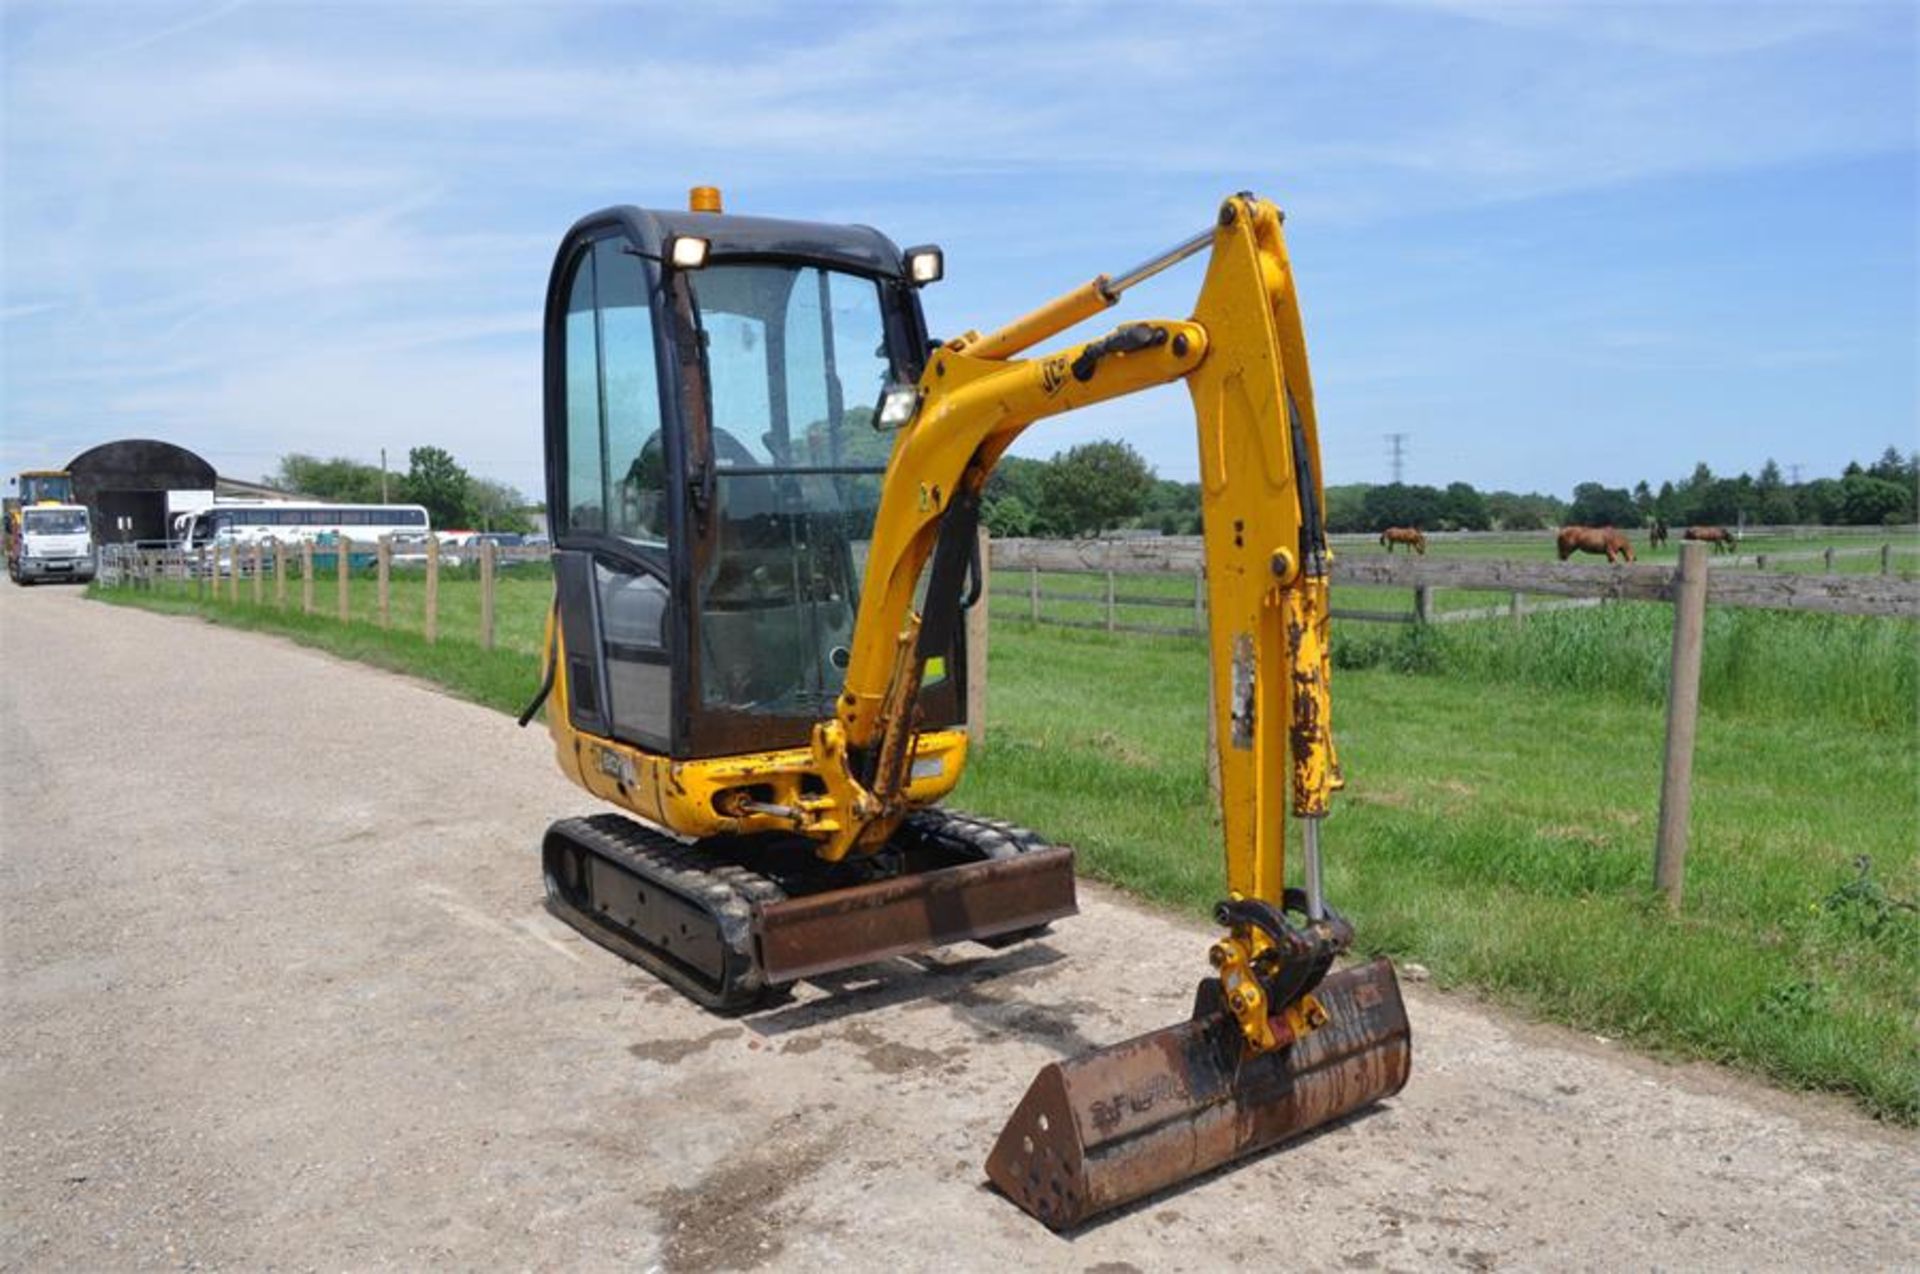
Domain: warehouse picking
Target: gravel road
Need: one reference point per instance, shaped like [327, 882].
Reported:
[279, 991]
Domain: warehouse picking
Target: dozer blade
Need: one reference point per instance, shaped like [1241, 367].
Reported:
[1114, 1125]
[804, 937]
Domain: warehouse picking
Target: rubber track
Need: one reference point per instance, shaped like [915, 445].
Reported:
[725, 893]
[728, 893]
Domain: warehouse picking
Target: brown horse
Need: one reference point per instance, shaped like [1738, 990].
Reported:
[1657, 534]
[1593, 539]
[1723, 540]
[1408, 535]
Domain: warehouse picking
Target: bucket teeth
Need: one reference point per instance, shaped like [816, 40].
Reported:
[1108, 1127]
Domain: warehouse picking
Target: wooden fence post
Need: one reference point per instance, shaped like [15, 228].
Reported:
[1423, 603]
[1886, 559]
[1517, 607]
[977, 620]
[1683, 718]
[259, 585]
[344, 587]
[430, 623]
[1110, 614]
[279, 575]
[383, 570]
[1200, 599]
[306, 576]
[1829, 558]
[486, 593]
[201, 574]
[1033, 593]
[233, 572]
[1759, 561]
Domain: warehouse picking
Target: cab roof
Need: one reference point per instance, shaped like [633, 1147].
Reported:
[859, 248]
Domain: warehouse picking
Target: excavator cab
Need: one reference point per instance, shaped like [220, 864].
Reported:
[714, 464]
[715, 461]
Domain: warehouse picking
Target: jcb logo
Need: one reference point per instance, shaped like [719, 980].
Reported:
[1053, 375]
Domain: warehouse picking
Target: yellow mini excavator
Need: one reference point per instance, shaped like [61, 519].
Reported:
[764, 485]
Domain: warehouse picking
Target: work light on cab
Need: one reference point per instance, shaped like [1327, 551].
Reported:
[688, 252]
[926, 264]
[898, 403]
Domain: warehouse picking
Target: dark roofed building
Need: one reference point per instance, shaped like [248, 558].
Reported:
[130, 479]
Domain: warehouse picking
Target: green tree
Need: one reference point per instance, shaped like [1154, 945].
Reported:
[1870, 501]
[1094, 487]
[1666, 503]
[1512, 511]
[1903, 472]
[1643, 499]
[340, 479]
[1598, 505]
[1401, 504]
[1820, 500]
[1464, 509]
[1719, 502]
[1006, 517]
[1771, 501]
[1347, 507]
[436, 480]
[1892, 466]
[1017, 480]
[1172, 507]
[497, 506]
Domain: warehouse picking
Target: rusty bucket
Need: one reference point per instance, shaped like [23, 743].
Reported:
[1114, 1125]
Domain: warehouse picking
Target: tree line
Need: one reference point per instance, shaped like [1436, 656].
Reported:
[1099, 487]
[1105, 486]
[454, 499]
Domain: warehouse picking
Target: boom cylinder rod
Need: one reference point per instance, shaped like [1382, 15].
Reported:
[1147, 269]
[1083, 302]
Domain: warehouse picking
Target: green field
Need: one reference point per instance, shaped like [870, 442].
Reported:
[1498, 823]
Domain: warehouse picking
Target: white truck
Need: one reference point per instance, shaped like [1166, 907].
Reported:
[55, 541]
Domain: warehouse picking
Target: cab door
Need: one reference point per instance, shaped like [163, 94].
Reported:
[613, 491]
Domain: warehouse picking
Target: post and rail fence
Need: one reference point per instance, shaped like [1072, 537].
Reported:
[219, 572]
[1573, 584]
[1690, 587]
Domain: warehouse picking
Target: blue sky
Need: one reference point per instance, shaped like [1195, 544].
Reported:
[1549, 242]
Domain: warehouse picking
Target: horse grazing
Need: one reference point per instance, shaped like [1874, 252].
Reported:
[1595, 540]
[1723, 540]
[1657, 534]
[1410, 536]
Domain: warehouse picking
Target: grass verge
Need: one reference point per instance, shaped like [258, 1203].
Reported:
[500, 678]
[1498, 834]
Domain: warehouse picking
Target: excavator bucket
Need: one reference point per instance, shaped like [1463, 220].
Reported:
[1117, 1124]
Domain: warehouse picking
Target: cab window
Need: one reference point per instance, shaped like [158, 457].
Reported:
[795, 360]
[616, 469]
